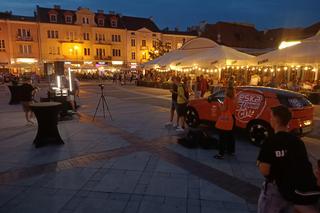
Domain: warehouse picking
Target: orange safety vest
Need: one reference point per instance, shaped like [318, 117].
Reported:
[225, 120]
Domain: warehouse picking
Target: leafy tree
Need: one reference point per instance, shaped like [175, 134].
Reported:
[159, 49]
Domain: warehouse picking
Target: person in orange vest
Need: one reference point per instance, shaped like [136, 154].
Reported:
[225, 124]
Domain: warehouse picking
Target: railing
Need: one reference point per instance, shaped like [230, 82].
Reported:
[102, 57]
[24, 38]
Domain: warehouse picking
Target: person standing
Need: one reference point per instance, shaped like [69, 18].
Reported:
[289, 178]
[182, 101]
[27, 94]
[197, 88]
[204, 86]
[225, 125]
[174, 105]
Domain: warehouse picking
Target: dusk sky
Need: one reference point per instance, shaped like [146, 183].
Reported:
[171, 13]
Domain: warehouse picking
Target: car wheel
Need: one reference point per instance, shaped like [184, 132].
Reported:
[192, 118]
[258, 132]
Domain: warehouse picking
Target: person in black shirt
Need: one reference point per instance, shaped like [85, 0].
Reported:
[174, 97]
[27, 94]
[283, 160]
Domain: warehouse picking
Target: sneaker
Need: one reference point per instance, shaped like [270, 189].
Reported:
[168, 123]
[179, 129]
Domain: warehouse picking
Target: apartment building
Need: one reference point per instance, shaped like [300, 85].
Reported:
[84, 39]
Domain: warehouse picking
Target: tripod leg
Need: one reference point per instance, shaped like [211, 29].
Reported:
[105, 101]
[94, 116]
[104, 111]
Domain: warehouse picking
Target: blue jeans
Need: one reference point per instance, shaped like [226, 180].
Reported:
[271, 201]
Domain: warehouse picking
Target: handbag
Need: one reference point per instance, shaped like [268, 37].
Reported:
[225, 121]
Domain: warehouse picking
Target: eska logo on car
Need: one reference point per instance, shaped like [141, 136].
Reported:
[253, 107]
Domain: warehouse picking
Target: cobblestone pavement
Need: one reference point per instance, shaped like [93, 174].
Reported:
[131, 164]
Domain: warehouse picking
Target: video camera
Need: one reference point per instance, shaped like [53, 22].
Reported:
[101, 86]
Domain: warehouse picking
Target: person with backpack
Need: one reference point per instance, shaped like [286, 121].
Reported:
[289, 179]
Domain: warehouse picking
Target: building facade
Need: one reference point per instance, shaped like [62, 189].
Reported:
[83, 39]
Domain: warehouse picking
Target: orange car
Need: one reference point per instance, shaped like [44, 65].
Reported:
[253, 107]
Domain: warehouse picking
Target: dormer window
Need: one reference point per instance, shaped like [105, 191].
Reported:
[68, 19]
[101, 22]
[114, 22]
[53, 17]
[85, 20]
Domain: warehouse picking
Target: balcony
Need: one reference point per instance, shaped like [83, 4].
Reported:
[143, 47]
[76, 41]
[98, 57]
[102, 42]
[24, 38]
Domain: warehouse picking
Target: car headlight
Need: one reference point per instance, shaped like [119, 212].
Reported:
[307, 122]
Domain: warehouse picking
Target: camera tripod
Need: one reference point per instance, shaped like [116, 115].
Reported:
[104, 105]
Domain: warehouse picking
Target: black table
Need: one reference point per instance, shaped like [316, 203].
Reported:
[15, 92]
[47, 117]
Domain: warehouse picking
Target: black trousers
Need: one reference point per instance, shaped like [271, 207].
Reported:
[226, 141]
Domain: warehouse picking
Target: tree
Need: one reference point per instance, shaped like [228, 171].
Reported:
[159, 49]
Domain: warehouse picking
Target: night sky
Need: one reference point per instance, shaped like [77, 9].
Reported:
[178, 13]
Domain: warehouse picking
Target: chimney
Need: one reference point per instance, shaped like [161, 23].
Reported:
[57, 7]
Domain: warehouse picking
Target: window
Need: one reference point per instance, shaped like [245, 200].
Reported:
[53, 34]
[114, 23]
[116, 52]
[25, 49]
[53, 18]
[133, 56]
[2, 46]
[101, 22]
[24, 33]
[133, 42]
[54, 50]
[154, 43]
[85, 20]
[86, 36]
[86, 51]
[68, 19]
[144, 43]
[144, 56]
[179, 45]
[116, 38]
[100, 37]
[100, 52]
[71, 35]
[168, 44]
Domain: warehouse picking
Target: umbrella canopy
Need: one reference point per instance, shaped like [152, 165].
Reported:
[307, 52]
[216, 56]
[202, 52]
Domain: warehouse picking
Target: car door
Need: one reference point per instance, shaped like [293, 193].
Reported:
[212, 109]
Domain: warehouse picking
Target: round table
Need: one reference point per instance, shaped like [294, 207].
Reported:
[47, 117]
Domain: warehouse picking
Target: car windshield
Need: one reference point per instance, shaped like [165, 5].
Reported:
[218, 96]
[294, 101]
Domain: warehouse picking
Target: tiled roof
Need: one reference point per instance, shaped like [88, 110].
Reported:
[186, 33]
[10, 16]
[136, 23]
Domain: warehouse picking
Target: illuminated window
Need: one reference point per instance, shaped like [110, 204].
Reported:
[133, 56]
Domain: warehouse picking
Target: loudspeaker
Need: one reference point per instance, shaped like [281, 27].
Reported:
[59, 67]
